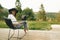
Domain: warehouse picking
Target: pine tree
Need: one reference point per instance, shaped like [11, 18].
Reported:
[41, 13]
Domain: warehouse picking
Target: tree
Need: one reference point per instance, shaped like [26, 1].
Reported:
[29, 13]
[58, 17]
[41, 13]
[1, 8]
[18, 6]
[3, 12]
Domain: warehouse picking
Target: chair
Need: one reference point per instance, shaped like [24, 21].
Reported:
[10, 25]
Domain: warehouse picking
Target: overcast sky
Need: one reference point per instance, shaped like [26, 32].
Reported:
[50, 5]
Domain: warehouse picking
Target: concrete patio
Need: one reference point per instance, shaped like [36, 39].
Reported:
[53, 34]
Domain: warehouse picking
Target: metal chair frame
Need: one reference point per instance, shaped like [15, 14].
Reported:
[10, 25]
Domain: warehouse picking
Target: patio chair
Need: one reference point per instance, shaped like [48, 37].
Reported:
[10, 25]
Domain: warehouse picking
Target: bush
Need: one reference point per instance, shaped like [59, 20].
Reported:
[33, 25]
[3, 24]
[39, 25]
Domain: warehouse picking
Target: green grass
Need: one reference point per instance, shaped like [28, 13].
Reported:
[54, 22]
[3, 24]
[32, 25]
[39, 25]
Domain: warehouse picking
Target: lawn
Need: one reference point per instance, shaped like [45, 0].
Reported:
[36, 25]
[32, 25]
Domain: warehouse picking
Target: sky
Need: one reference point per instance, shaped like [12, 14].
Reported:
[49, 5]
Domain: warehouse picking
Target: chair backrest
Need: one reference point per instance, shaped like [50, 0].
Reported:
[9, 23]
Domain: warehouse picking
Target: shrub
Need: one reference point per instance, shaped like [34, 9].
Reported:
[39, 25]
[33, 25]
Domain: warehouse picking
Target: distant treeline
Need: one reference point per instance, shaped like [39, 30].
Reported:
[34, 16]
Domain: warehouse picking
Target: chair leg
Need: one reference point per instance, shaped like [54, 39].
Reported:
[9, 35]
[18, 35]
[12, 34]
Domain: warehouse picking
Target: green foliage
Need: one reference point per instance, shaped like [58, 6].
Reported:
[3, 25]
[58, 17]
[18, 6]
[3, 13]
[32, 25]
[42, 14]
[1, 6]
[29, 13]
[18, 16]
[36, 25]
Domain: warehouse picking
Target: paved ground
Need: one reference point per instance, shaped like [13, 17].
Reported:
[53, 34]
